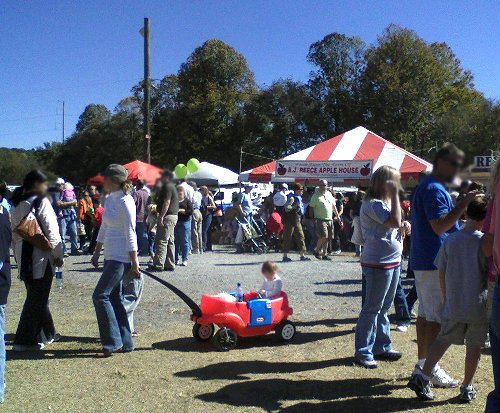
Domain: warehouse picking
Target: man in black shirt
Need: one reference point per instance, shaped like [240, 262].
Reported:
[168, 207]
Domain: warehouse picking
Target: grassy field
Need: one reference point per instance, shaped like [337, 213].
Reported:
[171, 372]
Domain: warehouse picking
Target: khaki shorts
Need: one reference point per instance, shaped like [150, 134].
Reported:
[459, 333]
[324, 229]
[429, 294]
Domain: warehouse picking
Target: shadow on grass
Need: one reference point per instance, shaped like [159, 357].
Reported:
[49, 353]
[335, 294]
[269, 394]
[359, 404]
[239, 370]
[339, 282]
[189, 345]
[9, 339]
[239, 264]
[329, 322]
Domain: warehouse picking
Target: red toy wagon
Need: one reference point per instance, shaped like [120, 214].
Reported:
[235, 319]
[242, 319]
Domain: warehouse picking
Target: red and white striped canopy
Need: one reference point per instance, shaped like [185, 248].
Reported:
[357, 144]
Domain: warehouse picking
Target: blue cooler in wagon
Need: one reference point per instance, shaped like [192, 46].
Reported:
[260, 312]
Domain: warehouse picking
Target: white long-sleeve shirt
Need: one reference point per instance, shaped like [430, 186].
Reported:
[273, 287]
[117, 232]
[50, 227]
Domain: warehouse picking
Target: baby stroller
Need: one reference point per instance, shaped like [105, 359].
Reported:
[249, 237]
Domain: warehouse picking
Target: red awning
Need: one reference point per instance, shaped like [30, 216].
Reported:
[138, 170]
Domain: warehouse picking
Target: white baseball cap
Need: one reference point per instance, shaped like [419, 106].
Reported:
[60, 181]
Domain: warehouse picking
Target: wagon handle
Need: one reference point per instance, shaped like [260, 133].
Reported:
[190, 303]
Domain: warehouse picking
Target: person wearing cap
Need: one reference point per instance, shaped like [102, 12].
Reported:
[280, 198]
[245, 204]
[293, 211]
[167, 204]
[66, 217]
[117, 292]
[323, 206]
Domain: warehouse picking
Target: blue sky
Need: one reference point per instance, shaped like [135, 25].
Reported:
[91, 52]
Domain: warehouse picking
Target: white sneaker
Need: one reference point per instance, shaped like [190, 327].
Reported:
[184, 264]
[442, 379]
[402, 329]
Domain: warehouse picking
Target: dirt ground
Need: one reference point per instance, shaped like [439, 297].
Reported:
[171, 372]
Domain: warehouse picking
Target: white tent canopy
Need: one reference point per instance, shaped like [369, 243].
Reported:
[210, 174]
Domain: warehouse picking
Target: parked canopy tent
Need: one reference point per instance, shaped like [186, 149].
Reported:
[137, 170]
[356, 144]
[213, 175]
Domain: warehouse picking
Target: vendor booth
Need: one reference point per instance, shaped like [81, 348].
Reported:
[212, 175]
[137, 170]
[348, 158]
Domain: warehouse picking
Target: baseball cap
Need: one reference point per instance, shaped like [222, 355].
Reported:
[118, 172]
[60, 181]
[283, 186]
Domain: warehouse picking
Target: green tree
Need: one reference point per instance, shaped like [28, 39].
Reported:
[276, 120]
[201, 105]
[408, 85]
[93, 114]
[335, 83]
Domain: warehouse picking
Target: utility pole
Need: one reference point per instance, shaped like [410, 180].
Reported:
[63, 126]
[147, 91]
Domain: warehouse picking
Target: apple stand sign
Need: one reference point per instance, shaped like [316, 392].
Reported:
[333, 171]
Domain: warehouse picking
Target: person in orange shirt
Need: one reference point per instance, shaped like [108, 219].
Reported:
[85, 216]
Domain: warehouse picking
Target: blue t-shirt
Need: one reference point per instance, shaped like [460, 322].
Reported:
[300, 203]
[246, 203]
[431, 201]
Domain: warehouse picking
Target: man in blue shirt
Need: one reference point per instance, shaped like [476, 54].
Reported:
[433, 217]
[245, 204]
[293, 211]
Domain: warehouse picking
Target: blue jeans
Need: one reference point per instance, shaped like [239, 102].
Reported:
[373, 327]
[142, 238]
[151, 242]
[112, 320]
[205, 227]
[493, 402]
[67, 225]
[403, 316]
[182, 233]
[2, 352]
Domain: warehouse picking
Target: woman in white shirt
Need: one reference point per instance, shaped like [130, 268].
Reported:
[117, 235]
[36, 266]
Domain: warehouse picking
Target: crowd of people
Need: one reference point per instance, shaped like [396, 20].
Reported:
[454, 255]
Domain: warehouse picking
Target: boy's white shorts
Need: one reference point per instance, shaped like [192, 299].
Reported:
[429, 295]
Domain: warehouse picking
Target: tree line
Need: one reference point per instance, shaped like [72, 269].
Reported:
[414, 93]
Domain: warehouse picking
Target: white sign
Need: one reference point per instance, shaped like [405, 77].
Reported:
[485, 161]
[332, 171]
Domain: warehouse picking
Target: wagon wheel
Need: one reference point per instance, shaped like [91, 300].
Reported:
[225, 339]
[203, 332]
[286, 330]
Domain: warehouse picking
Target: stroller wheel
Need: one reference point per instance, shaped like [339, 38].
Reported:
[225, 339]
[203, 332]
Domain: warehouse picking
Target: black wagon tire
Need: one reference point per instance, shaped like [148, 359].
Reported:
[286, 330]
[203, 332]
[225, 339]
